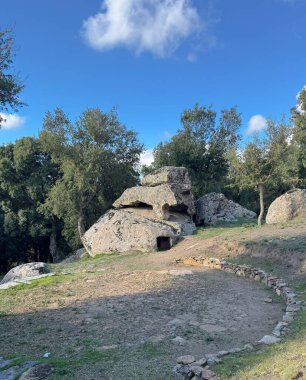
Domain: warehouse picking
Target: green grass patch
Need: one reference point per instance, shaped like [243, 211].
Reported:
[223, 228]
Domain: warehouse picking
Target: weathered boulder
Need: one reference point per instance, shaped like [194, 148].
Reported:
[124, 230]
[287, 207]
[215, 207]
[150, 217]
[25, 271]
[167, 174]
[161, 198]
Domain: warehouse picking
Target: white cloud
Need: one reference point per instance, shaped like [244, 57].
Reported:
[157, 26]
[11, 122]
[146, 158]
[256, 124]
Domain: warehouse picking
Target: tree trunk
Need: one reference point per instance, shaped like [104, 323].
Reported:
[55, 253]
[82, 230]
[262, 206]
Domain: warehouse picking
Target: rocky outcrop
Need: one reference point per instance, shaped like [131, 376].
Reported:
[25, 271]
[215, 207]
[149, 217]
[287, 207]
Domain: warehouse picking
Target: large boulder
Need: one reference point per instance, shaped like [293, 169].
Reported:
[215, 207]
[124, 230]
[25, 271]
[150, 217]
[167, 174]
[161, 198]
[287, 207]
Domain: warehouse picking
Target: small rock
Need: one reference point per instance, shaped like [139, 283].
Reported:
[197, 370]
[222, 353]
[234, 350]
[46, 355]
[268, 300]
[201, 362]
[187, 359]
[179, 340]
[288, 317]
[248, 347]
[269, 339]
[207, 374]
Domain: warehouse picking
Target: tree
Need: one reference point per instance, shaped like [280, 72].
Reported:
[97, 157]
[201, 145]
[26, 176]
[298, 116]
[265, 162]
[10, 84]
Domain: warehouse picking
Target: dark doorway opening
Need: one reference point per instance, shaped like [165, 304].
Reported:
[163, 243]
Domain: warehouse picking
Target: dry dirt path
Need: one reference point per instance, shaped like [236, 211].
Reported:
[131, 318]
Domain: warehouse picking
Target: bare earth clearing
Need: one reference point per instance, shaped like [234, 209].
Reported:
[130, 316]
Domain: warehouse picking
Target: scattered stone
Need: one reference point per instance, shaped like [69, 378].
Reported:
[248, 347]
[207, 374]
[269, 339]
[179, 340]
[287, 207]
[197, 370]
[156, 338]
[222, 353]
[268, 300]
[187, 359]
[288, 317]
[279, 328]
[201, 362]
[235, 350]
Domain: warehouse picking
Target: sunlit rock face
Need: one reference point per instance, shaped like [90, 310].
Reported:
[288, 206]
[150, 217]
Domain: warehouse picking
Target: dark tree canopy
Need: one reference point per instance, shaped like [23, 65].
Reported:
[266, 162]
[201, 145]
[97, 156]
[10, 84]
[26, 177]
[298, 116]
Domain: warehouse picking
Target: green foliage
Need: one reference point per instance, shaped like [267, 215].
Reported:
[266, 163]
[298, 116]
[26, 176]
[201, 145]
[10, 85]
[97, 157]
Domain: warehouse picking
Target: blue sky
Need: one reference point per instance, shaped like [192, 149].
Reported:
[153, 58]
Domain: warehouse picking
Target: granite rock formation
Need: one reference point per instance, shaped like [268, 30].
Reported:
[287, 207]
[215, 207]
[153, 216]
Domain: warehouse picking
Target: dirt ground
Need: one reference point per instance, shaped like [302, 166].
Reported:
[130, 316]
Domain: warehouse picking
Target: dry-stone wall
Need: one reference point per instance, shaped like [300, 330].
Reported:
[187, 367]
